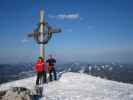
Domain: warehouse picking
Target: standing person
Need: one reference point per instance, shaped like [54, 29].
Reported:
[51, 67]
[41, 71]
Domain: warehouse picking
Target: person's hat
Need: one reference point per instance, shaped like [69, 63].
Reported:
[40, 58]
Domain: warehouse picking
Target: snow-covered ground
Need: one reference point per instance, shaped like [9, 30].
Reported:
[78, 86]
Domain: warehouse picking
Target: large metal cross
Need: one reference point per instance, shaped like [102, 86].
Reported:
[43, 33]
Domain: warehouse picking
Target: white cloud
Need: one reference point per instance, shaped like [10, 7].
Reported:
[72, 16]
[24, 41]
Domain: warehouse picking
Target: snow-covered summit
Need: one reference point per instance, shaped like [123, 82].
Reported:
[78, 86]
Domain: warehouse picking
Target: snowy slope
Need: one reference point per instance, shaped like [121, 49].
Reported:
[77, 86]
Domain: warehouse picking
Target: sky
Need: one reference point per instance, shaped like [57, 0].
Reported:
[92, 30]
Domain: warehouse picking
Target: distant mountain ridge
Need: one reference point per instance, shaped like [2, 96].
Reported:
[111, 71]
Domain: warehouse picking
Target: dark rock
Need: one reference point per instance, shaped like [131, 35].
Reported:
[2, 93]
[17, 93]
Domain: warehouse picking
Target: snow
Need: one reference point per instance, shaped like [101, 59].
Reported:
[28, 83]
[78, 86]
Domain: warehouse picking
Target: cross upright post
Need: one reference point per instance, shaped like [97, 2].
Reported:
[41, 30]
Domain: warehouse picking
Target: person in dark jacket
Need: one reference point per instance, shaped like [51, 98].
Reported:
[41, 71]
[51, 67]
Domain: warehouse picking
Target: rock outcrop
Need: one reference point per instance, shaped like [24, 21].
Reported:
[16, 93]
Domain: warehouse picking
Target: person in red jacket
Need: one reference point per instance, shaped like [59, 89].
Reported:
[41, 71]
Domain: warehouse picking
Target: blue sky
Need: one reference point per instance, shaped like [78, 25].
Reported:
[93, 30]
